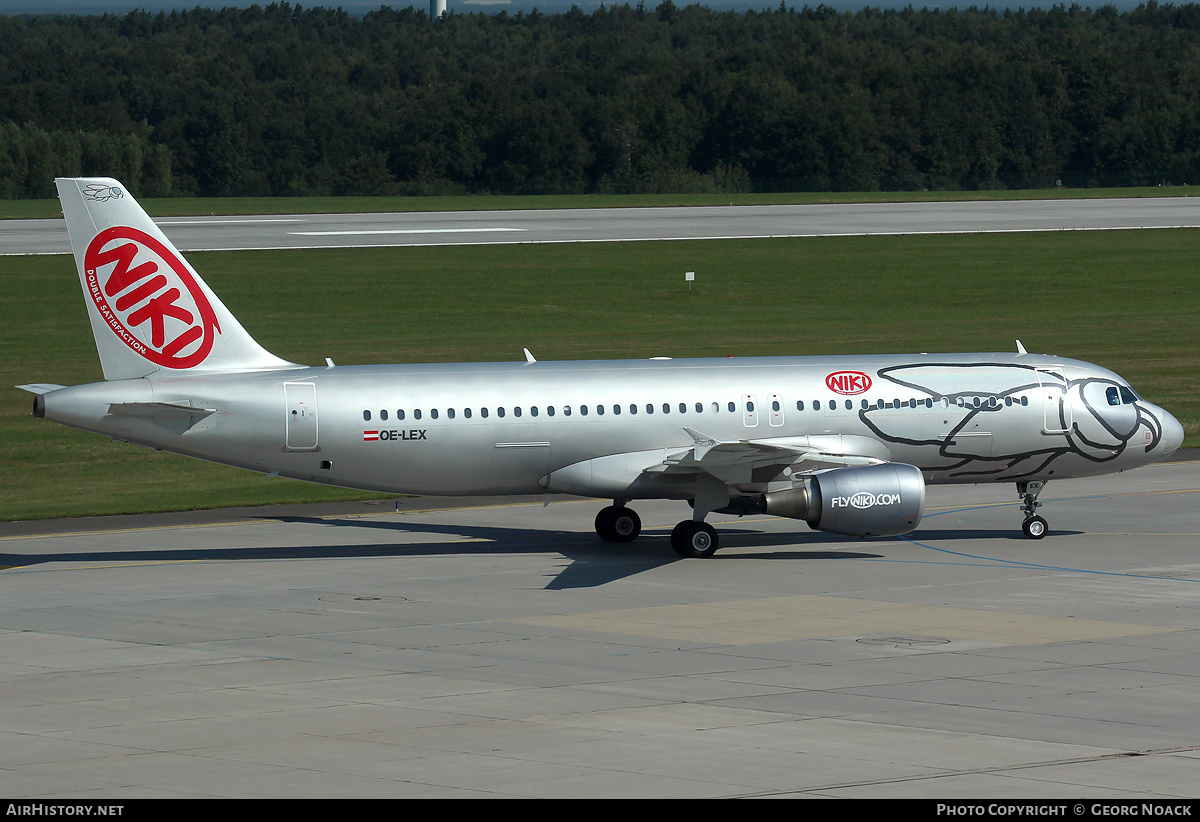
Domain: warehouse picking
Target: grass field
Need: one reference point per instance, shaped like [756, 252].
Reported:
[1127, 300]
[225, 206]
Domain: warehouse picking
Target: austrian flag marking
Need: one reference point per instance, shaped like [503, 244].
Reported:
[395, 435]
[149, 298]
[848, 382]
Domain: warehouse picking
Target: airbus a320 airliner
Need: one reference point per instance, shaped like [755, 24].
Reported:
[847, 444]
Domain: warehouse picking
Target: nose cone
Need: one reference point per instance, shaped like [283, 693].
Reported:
[1172, 435]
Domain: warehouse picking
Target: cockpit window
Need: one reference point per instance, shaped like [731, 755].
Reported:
[1120, 395]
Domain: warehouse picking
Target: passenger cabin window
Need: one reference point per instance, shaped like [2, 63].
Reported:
[367, 416]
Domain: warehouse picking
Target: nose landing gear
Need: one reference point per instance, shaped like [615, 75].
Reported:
[1034, 527]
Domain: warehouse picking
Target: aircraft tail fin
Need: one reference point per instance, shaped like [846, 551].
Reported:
[149, 309]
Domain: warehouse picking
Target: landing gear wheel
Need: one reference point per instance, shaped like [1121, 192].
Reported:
[694, 539]
[618, 524]
[1034, 527]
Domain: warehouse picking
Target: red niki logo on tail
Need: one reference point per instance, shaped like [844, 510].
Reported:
[149, 298]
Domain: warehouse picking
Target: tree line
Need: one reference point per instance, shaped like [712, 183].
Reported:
[285, 100]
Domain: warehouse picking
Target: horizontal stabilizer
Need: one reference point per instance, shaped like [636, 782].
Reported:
[158, 409]
[40, 387]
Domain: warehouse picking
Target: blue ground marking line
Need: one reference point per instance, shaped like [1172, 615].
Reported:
[1021, 563]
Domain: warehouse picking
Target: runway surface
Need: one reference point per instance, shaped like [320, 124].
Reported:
[499, 649]
[629, 224]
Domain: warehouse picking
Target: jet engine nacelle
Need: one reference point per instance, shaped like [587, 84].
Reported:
[872, 501]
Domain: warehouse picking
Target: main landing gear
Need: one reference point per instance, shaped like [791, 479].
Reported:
[690, 538]
[1034, 526]
[616, 523]
[694, 539]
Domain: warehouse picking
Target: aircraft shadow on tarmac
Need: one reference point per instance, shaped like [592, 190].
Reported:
[592, 562]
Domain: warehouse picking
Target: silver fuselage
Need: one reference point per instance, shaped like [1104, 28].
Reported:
[503, 428]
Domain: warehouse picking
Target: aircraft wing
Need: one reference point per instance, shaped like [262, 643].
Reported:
[733, 461]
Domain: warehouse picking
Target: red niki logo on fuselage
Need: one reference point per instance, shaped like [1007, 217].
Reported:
[848, 382]
[149, 298]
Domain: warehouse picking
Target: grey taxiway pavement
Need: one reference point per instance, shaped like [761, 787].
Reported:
[629, 224]
[497, 648]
